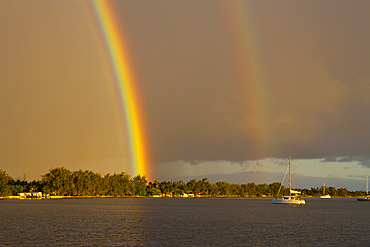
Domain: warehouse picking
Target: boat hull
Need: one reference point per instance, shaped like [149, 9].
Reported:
[288, 201]
[325, 197]
[367, 199]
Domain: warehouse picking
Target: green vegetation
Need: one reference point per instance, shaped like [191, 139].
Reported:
[5, 186]
[63, 182]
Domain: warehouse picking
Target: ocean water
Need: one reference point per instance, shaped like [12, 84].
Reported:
[183, 222]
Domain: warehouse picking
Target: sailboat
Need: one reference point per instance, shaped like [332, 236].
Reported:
[294, 196]
[327, 196]
[367, 197]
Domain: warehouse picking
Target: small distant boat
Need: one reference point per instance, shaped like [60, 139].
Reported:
[325, 196]
[294, 197]
[367, 197]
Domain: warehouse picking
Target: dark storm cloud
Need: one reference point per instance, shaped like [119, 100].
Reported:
[314, 61]
[362, 160]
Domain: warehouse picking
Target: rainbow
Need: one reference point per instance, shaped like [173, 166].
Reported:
[251, 70]
[123, 77]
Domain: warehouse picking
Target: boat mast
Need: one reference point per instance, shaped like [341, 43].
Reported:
[324, 190]
[290, 177]
[367, 185]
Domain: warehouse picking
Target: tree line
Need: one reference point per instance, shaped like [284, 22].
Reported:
[63, 182]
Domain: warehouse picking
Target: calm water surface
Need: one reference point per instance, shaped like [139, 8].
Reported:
[183, 222]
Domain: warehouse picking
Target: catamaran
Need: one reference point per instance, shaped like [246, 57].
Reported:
[325, 196]
[367, 197]
[294, 196]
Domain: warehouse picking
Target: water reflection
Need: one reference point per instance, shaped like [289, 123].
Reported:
[181, 221]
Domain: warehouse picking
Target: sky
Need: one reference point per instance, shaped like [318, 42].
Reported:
[229, 89]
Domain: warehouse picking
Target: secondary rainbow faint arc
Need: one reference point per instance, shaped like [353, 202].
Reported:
[117, 54]
[250, 59]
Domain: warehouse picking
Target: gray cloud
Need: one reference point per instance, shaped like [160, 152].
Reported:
[316, 86]
[362, 160]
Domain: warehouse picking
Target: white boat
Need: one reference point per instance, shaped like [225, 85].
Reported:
[325, 196]
[294, 197]
[367, 197]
